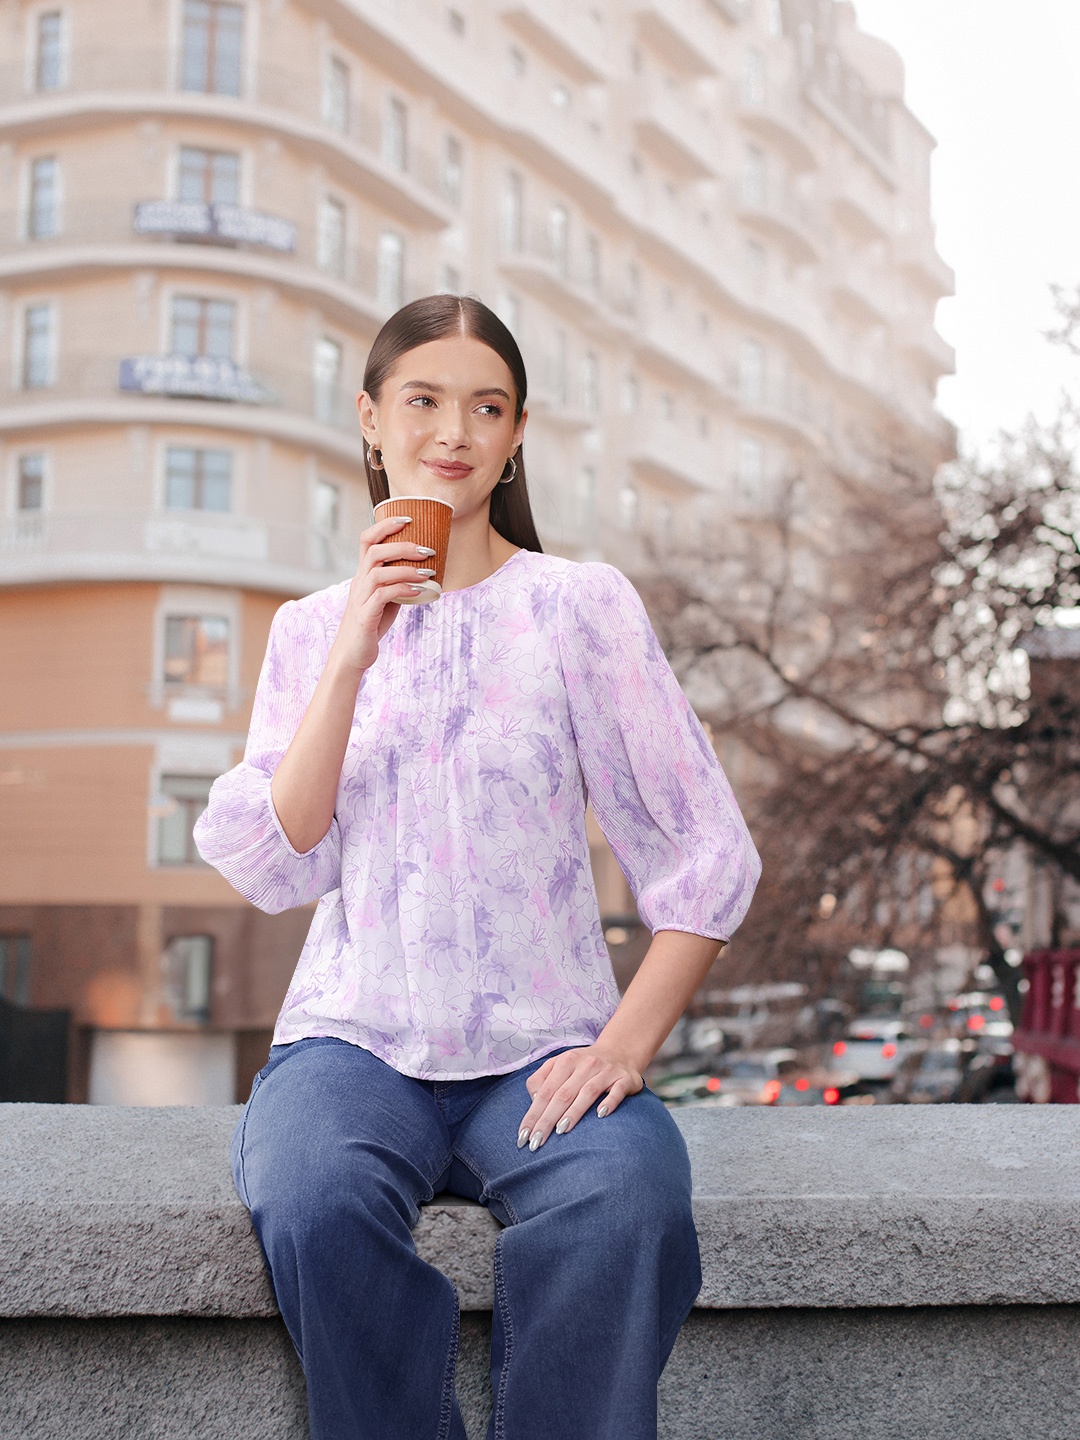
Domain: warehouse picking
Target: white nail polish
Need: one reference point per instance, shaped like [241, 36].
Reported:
[562, 1127]
[601, 1112]
[536, 1141]
[523, 1136]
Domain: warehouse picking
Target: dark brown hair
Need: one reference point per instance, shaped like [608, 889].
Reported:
[437, 317]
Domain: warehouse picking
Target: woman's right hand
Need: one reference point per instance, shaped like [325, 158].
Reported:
[376, 592]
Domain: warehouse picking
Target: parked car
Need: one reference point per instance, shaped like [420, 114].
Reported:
[874, 1048]
[740, 1078]
[934, 1077]
[812, 1088]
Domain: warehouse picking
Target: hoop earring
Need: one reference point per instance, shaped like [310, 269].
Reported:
[375, 464]
[506, 479]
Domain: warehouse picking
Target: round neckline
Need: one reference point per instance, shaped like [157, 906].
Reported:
[477, 584]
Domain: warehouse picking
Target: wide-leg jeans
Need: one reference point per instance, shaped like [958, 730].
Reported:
[594, 1273]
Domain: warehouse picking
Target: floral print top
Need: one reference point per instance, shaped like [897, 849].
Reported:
[457, 932]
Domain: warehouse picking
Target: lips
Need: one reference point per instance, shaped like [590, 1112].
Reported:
[449, 469]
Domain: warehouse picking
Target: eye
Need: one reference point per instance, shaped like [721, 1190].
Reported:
[426, 399]
[492, 409]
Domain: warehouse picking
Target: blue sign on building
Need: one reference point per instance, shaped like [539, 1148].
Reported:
[198, 376]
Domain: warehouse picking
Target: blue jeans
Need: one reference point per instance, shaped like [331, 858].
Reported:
[594, 1273]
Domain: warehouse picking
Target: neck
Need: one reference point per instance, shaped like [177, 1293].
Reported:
[475, 551]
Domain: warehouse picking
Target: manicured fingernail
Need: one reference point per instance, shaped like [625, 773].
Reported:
[414, 589]
[523, 1136]
[601, 1112]
[536, 1141]
[562, 1127]
[426, 573]
[425, 550]
[400, 520]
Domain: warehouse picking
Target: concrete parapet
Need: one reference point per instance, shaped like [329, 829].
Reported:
[868, 1272]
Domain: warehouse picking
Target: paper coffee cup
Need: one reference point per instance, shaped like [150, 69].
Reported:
[431, 520]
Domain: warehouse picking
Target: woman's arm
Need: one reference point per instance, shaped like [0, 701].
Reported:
[305, 783]
[564, 1087]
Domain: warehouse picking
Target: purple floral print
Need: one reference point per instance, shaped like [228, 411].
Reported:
[457, 931]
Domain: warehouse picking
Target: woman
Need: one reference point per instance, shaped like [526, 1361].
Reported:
[453, 1023]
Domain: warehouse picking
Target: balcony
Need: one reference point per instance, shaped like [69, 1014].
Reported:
[678, 30]
[214, 224]
[565, 32]
[917, 255]
[780, 120]
[670, 456]
[171, 545]
[782, 217]
[863, 206]
[668, 125]
[131, 83]
[932, 356]
[860, 290]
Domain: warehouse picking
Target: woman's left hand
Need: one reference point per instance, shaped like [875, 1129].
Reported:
[566, 1086]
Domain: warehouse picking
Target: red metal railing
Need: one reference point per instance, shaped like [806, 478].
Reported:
[1050, 1021]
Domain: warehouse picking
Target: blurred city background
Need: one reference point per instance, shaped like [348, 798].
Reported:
[709, 224]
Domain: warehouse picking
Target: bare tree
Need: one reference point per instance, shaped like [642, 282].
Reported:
[864, 684]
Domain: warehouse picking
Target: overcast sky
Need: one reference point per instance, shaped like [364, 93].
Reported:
[997, 82]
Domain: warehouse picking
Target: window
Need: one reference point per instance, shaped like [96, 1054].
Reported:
[592, 262]
[202, 327]
[395, 133]
[452, 170]
[456, 21]
[336, 95]
[633, 287]
[665, 516]
[390, 270]
[774, 17]
[197, 651]
[451, 282]
[197, 479]
[326, 506]
[327, 380]
[212, 47]
[332, 236]
[209, 175]
[560, 97]
[559, 237]
[186, 969]
[510, 313]
[15, 969]
[514, 211]
[44, 217]
[752, 372]
[628, 508]
[587, 499]
[590, 382]
[751, 466]
[558, 368]
[30, 494]
[753, 180]
[518, 64]
[667, 406]
[49, 57]
[38, 346]
[631, 394]
[754, 78]
[183, 800]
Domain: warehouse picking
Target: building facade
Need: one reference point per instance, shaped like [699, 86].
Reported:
[707, 222]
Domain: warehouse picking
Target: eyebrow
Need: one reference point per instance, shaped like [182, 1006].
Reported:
[439, 389]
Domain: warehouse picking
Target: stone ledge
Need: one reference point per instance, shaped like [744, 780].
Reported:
[113, 1212]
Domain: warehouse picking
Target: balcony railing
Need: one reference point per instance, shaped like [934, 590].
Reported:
[569, 33]
[680, 30]
[166, 539]
[779, 118]
[862, 290]
[784, 216]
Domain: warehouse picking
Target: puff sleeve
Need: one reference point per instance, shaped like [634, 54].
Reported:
[239, 832]
[656, 786]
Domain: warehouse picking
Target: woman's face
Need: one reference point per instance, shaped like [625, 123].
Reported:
[445, 422]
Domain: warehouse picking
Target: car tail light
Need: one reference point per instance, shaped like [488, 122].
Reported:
[975, 1022]
[802, 1084]
[831, 1096]
[926, 1022]
[712, 1084]
[771, 1091]
[840, 1048]
[996, 1002]
[888, 1051]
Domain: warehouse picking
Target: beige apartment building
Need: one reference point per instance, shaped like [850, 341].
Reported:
[707, 221]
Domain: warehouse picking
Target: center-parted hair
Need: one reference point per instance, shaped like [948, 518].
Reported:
[439, 317]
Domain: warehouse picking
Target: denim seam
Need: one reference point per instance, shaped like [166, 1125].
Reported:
[486, 1193]
[243, 1137]
[503, 1303]
[446, 1409]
